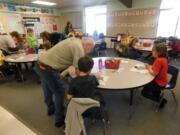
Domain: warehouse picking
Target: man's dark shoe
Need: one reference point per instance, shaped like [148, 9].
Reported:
[49, 113]
[59, 124]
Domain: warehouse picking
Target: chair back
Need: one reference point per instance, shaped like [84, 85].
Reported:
[5, 53]
[102, 46]
[173, 71]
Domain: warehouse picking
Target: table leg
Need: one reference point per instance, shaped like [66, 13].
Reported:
[131, 97]
[20, 73]
[131, 104]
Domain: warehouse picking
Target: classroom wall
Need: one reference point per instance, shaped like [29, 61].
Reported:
[12, 18]
[56, 12]
[138, 22]
[75, 15]
[144, 30]
[113, 5]
[11, 21]
[146, 3]
[117, 6]
[72, 9]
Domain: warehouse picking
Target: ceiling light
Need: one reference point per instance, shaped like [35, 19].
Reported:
[44, 3]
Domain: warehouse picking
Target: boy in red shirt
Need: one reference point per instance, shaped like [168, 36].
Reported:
[159, 70]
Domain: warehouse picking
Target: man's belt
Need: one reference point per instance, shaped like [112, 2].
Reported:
[44, 66]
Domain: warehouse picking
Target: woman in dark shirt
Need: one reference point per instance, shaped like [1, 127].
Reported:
[68, 28]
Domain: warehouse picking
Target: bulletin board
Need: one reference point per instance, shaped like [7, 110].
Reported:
[50, 24]
[13, 22]
[47, 23]
[74, 17]
[11, 18]
[138, 22]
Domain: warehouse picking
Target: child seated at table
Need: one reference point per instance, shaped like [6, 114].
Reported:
[46, 45]
[174, 43]
[84, 85]
[159, 70]
[133, 53]
[18, 40]
[126, 39]
[3, 68]
[123, 47]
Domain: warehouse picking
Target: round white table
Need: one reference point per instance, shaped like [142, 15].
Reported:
[131, 75]
[144, 49]
[127, 77]
[140, 47]
[148, 49]
[21, 58]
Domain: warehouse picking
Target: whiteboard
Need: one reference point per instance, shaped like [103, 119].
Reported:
[15, 22]
[11, 22]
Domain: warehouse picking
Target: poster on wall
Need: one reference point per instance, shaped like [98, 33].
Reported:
[55, 28]
[138, 22]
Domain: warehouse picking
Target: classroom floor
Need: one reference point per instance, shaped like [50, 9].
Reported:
[25, 101]
[10, 124]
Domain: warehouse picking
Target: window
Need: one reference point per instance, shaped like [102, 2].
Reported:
[95, 19]
[178, 28]
[170, 4]
[169, 18]
[167, 23]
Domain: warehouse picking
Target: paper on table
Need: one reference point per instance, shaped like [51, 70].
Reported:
[21, 58]
[139, 68]
[10, 59]
[32, 59]
[124, 61]
[103, 79]
[72, 71]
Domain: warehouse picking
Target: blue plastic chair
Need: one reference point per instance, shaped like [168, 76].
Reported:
[101, 48]
[173, 71]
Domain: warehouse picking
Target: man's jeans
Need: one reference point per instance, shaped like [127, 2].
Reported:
[53, 86]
